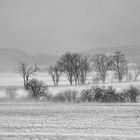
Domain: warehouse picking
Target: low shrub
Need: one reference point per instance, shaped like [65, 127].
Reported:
[122, 97]
[131, 94]
[59, 97]
[11, 93]
[87, 95]
[37, 88]
[110, 95]
[99, 94]
[66, 96]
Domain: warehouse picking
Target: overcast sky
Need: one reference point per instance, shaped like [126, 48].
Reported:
[56, 26]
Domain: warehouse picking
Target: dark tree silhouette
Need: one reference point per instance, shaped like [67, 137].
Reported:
[66, 65]
[26, 71]
[37, 88]
[75, 66]
[85, 68]
[55, 73]
[132, 93]
[119, 65]
[102, 64]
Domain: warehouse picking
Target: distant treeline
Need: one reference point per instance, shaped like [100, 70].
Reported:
[77, 66]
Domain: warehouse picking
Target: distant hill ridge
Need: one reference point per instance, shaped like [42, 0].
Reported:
[132, 52]
[9, 58]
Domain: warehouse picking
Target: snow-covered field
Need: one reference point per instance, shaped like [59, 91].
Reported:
[15, 81]
[56, 121]
[40, 120]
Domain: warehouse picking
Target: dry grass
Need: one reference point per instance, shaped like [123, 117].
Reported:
[39, 120]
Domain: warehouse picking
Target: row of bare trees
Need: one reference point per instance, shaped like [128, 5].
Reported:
[116, 62]
[76, 67]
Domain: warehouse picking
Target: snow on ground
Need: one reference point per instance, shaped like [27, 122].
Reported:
[15, 81]
[53, 121]
[54, 90]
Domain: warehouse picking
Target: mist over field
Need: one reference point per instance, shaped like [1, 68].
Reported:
[70, 69]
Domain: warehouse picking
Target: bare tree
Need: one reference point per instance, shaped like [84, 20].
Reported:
[76, 67]
[102, 64]
[26, 71]
[119, 65]
[84, 68]
[66, 65]
[54, 72]
[136, 69]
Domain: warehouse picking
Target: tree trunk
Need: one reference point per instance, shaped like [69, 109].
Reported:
[120, 79]
[103, 78]
[54, 80]
[24, 82]
[70, 80]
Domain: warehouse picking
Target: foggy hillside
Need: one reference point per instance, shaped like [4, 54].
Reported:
[132, 52]
[9, 58]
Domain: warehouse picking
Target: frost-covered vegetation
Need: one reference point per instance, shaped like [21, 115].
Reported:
[41, 120]
[99, 110]
[76, 68]
[39, 91]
